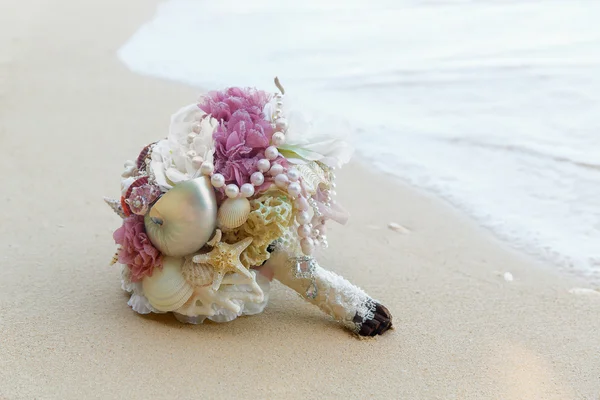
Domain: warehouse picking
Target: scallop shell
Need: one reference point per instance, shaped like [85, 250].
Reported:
[233, 213]
[167, 289]
[197, 275]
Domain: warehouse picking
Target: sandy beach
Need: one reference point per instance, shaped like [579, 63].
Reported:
[71, 113]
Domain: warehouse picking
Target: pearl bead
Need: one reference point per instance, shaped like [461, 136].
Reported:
[303, 231]
[263, 165]
[308, 246]
[278, 139]
[257, 178]
[279, 103]
[293, 174]
[332, 193]
[324, 243]
[281, 181]
[247, 190]
[294, 189]
[333, 185]
[301, 204]
[302, 217]
[196, 127]
[207, 168]
[321, 228]
[191, 154]
[191, 137]
[197, 162]
[217, 180]
[271, 153]
[232, 191]
[316, 232]
[276, 169]
[281, 124]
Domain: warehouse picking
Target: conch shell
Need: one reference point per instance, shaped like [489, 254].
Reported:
[167, 289]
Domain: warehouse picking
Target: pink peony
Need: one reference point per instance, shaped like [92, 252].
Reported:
[138, 252]
[223, 104]
[243, 133]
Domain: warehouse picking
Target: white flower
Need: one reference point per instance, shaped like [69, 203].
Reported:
[172, 157]
[308, 139]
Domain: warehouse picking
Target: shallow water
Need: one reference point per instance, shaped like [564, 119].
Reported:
[493, 105]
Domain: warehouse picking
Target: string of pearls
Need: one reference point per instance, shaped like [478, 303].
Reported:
[311, 230]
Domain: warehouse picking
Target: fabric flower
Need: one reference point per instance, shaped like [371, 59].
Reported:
[308, 139]
[243, 133]
[223, 104]
[171, 161]
[239, 145]
[137, 251]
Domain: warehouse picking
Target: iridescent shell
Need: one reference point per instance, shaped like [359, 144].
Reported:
[184, 218]
[233, 213]
[167, 289]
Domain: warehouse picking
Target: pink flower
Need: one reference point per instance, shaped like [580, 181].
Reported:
[243, 133]
[138, 252]
[223, 104]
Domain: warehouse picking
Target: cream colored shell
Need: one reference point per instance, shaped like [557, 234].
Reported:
[167, 289]
[198, 275]
[233, 213]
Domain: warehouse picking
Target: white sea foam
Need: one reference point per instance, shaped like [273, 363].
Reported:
[493, 105]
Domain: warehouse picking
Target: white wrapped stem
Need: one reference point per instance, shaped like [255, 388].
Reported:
[335, 295]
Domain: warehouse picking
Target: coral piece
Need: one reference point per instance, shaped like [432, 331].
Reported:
[238, 294]
[225, 258]
[270, 218]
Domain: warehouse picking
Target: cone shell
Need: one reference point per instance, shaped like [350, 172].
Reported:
[167, 289]
[233, 213]
[198, 275]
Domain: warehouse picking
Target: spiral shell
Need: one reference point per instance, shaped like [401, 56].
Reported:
[233, 213]
[140, 162]
[197, 275]
[137, 183]
[167, 289]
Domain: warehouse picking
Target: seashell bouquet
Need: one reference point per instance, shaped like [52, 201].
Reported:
[238, 193]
